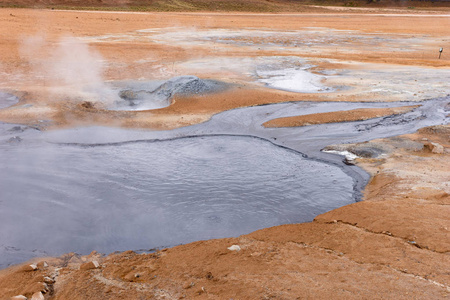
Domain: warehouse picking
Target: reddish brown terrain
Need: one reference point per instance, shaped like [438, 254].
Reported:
[337, 116]
[393, 245]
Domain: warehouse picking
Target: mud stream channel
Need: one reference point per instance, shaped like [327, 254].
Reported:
[111, 189]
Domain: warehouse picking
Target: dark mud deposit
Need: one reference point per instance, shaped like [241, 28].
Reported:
[144, 95]
[110, 189]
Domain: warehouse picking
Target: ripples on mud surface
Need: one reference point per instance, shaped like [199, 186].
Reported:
[140, 195]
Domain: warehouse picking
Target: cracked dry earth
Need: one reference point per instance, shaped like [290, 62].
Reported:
[393, 245]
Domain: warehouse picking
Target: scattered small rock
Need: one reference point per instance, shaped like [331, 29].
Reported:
[234, 248]
[74, 259]
[349, 162]
[37, 296]
[49, 280]
[90, 265]
[189, 285]
[29, 268]
[434, 147]
[437, 148]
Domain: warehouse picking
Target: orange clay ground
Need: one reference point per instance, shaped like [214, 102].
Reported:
[337, 116]
[404, 59]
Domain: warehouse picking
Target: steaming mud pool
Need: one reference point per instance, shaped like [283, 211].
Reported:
[113, 189]
[140, 195]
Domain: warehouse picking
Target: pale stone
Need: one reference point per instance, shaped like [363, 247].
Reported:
[234, 248]
[48, 280]
[90, 265]
[437, 148]
[19, 297]
[37, 296]
[29, 268]
[96, 264]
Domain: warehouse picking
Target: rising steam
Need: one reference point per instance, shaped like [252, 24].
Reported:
[68, 65]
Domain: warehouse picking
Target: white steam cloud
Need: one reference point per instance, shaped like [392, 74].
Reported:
[69, 65]
[73, 63]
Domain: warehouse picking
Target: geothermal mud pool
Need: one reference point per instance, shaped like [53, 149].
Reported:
[112, 189]
[108, 189]
[141, 195]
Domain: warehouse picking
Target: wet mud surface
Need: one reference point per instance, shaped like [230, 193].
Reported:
[143, 195]
[111, 189]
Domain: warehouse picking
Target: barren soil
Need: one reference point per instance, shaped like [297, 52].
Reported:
[337, 116]
[229, 5]
[28, 56]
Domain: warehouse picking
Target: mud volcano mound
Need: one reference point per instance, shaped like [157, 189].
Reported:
[145, 95]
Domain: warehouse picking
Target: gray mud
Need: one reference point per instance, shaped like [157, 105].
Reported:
[308, 140]
[144, 95]
[147, 194]
[114, 189]
[7, 100]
